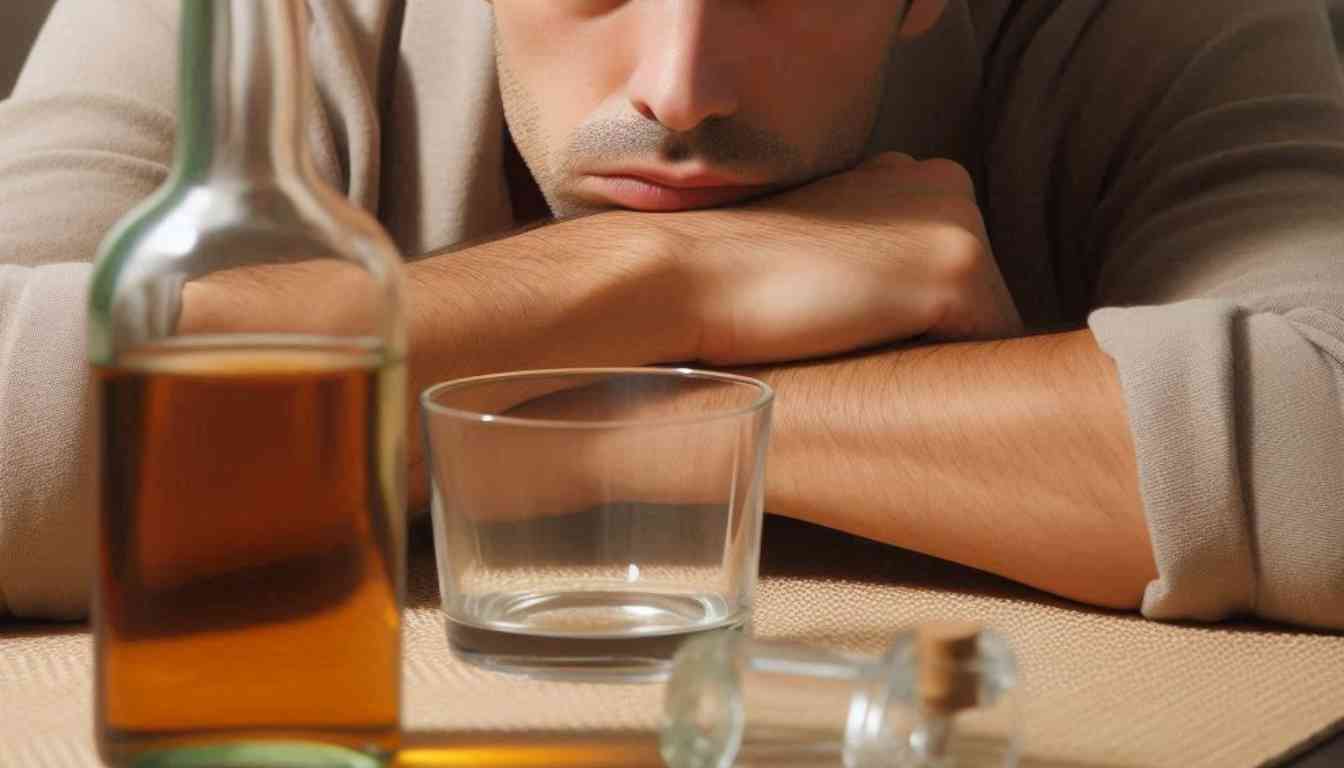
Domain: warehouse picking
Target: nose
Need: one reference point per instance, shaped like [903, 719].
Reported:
[683, 75]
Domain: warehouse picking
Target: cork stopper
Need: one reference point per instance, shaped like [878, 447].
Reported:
[949, 680]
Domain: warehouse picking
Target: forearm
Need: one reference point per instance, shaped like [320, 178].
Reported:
[1013, 457]
[599, 291]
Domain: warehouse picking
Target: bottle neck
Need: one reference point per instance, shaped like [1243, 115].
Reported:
[242, 71]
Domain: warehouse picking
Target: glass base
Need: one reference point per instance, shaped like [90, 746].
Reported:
[258, 753]
[585, 636]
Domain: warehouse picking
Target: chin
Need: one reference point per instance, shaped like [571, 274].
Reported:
[568, 206]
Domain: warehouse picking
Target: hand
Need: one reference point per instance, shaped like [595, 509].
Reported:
[892, 250]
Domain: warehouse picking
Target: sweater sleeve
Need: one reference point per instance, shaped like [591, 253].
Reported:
[1199, 191]
[88, 134]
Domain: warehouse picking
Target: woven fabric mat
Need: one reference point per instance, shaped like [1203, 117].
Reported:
[1101, 689]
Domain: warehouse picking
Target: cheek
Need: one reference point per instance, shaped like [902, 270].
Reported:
[828, 118]
[568, 69]
[824, 97]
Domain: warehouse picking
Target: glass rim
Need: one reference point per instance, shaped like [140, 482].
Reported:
[765, 398]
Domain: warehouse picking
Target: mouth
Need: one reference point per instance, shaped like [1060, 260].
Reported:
[654, 191]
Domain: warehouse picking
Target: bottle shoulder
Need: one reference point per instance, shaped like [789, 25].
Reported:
[196, 229]
[281, 243]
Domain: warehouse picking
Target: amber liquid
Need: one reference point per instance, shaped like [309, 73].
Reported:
[250, 547]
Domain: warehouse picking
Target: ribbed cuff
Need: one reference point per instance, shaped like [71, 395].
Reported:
[1177, 369]
[46, 457]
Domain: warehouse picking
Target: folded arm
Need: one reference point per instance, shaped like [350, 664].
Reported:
[1010, 456]
[1185, 162]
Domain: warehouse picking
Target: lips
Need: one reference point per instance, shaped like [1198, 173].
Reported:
[657, 192]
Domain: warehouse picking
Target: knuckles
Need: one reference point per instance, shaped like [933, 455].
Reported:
[906, 222]
[959, 256]
[950, 175]
[932, 174]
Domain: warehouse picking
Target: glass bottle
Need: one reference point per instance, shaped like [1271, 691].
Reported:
[247, 343]
[943, 696]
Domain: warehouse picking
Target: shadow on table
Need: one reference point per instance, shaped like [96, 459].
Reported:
[422, 581]
[791, 548]
[12, 628]
[798, 549]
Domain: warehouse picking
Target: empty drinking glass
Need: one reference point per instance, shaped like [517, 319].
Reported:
[586, 522]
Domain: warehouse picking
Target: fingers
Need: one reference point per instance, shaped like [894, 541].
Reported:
[949, 175]
[935, 174]
[891, 160]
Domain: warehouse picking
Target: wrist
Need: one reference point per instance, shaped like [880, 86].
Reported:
[605, 290]
[656, 301]
[322, 297]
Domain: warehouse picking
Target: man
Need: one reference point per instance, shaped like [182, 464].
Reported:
[944, 383]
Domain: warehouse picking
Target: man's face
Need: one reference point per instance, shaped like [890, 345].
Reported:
[662, 105]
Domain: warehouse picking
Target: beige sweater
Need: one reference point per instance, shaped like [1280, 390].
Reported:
[1180, 164]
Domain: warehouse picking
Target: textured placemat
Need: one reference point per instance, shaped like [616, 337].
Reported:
[1102, 689]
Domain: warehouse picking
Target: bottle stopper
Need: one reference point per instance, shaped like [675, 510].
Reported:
[949, 678]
